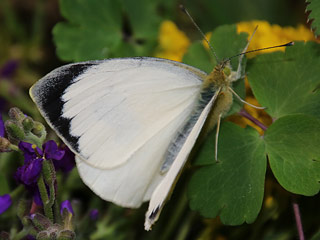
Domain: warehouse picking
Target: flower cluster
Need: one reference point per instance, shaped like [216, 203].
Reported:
[28, 174]
[272, 35]
[38, 176]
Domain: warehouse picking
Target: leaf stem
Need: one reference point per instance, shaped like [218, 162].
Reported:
[298, 219]
[245, 114]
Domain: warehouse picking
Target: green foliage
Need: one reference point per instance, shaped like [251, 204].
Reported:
[314, 8]
[232, 188]
[292, 145]
[93, 30]
[96, 29]
[287, 84]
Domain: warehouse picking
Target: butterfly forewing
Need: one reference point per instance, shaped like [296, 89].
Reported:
[119, 116]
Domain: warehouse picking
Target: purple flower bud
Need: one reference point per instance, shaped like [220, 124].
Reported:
[66, 205]
[5, 202]
[9, 68]
[94, 214]
[2, 130]
[29, 237]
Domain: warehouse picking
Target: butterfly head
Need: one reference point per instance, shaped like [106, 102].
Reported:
[219, 77]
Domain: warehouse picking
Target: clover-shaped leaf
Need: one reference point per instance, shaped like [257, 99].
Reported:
[292, 145]
[232, 188]
[287, 82]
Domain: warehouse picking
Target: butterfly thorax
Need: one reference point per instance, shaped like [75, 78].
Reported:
[220, 80]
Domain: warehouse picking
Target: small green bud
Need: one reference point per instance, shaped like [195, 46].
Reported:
[16, 114]
[27, 124]
[43, 235]
[4, 145]
[66, 235]
[14, 130]
[40, 222]
[38, 129]
[50, 233]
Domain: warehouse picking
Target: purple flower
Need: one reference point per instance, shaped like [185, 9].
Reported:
[9, 69]
[51, 151]
[5, 202]
[94, 214]
[29, 172]
[62, 157]
[67, 162]
[66, 205]
[29, 153]
[2, 130]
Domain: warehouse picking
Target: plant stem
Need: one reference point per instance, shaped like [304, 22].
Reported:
[298, 220]
[175, 219]
[245, 114]
[15, 194]
[45, 199]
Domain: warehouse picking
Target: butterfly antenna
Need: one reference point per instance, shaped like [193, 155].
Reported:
[261, 49]
[196, 25]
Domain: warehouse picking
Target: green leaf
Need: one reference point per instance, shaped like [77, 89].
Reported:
[199, 57]
[98, 29]
[226, 43]
[232, 188]
[314, 8]
[138, 11]
[93, 30]
[293, 147]
[287, 82]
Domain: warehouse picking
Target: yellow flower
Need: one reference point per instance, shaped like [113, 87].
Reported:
[173, 43]
[267, 35]
[272, 35]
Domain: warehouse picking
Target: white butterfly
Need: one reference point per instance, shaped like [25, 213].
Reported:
[132, 122]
